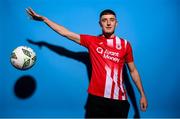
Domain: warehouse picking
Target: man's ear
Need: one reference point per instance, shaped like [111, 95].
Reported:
[116, 23]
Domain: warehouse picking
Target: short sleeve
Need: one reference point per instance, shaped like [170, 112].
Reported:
[129, 53]
[86, 40]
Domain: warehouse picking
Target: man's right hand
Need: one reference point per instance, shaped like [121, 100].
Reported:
[34, 15]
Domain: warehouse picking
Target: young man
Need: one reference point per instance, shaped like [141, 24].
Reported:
[108, 53]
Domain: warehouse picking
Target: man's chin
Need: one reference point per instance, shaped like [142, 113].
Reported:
[109, 33]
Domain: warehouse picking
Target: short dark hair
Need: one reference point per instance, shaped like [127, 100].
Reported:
[106, 12]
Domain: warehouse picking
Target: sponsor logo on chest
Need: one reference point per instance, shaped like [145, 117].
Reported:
[110, 49]
[107, 54]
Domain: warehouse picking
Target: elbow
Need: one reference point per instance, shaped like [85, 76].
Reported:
[135, 75]
[134, 72]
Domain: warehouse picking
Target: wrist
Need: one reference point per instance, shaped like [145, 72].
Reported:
[142, 95]
[44, 19]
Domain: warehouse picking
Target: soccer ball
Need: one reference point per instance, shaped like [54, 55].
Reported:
[23, 57]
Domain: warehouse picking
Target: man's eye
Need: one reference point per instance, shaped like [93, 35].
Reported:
[103, 20]
[112, 19]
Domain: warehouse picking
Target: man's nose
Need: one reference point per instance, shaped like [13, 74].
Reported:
[108, 22]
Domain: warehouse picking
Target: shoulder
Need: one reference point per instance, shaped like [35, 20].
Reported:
[89, 37]
[87, 40]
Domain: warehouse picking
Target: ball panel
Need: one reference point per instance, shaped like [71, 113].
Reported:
[26, 52]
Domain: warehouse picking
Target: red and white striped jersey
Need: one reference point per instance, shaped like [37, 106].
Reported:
[107, 57]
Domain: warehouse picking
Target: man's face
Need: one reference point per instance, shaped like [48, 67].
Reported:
[108, 23]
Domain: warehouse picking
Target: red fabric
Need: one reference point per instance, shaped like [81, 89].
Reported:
[107, 57]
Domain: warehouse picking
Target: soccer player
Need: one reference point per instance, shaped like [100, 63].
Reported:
[108, 54]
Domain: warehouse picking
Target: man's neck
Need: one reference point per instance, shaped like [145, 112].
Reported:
[108, 35]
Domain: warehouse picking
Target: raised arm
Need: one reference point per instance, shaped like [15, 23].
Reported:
[56, 27]
[136, 78]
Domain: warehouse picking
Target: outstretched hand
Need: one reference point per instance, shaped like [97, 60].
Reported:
[34, 15]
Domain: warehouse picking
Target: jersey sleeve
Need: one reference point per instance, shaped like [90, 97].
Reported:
[129, 53]
[86, 40]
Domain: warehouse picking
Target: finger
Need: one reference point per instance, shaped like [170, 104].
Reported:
[30, 8]
[32, 11]
[29, 13]
[143, 107]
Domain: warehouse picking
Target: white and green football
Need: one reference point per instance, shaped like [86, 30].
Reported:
[23, 57]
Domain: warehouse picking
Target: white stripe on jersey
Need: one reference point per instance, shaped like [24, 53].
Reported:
[108, 83]
[125, 43]
[110, 42]
[121, 85]
[116, 87]
[118, 43]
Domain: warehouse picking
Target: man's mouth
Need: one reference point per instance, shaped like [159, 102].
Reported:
[108, 27]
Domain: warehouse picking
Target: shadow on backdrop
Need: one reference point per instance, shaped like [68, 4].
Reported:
[24, 87]
[79, 56]
[84, 58]
[130, 92]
